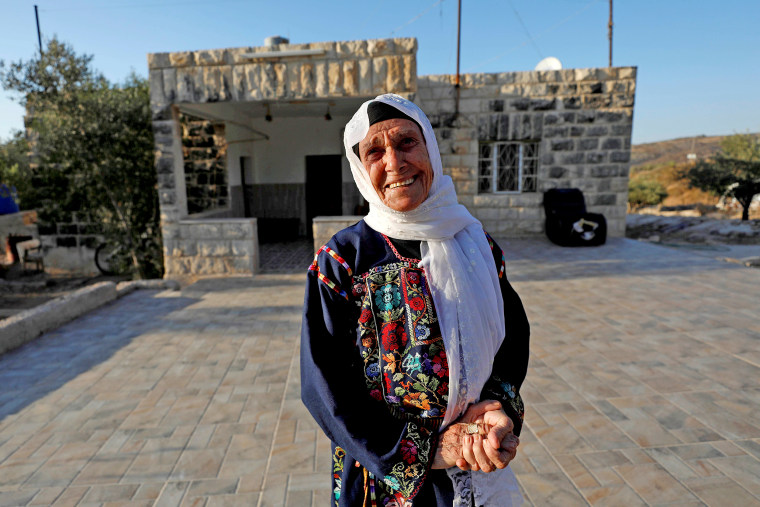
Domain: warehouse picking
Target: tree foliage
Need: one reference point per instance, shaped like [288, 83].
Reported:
[93, 143]
[645, 192]
[733, 172]
[14, 163]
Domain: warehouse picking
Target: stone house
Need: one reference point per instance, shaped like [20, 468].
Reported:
[249, 142]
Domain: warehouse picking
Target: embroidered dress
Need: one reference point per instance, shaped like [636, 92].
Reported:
[375, 372]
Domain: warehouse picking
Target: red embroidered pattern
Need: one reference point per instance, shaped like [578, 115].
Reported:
[315, 267]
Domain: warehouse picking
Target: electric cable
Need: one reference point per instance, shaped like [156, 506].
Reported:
[527, 32]
[550, 29]
[418, 16]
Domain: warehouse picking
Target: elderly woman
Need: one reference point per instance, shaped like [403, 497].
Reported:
[414, 345]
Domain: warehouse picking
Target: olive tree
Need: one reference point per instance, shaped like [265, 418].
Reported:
[734, 171]
[93, 145]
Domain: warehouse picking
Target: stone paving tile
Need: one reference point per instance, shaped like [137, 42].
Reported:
[643, 389]
[288, 257]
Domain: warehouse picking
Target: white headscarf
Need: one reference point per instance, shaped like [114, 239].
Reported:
[455, 255]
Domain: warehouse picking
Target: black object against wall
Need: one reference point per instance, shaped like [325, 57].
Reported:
[567, 221]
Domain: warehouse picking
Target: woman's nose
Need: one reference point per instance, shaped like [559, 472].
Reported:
[394, 160]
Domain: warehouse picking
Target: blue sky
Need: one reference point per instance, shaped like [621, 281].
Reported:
[698, 61]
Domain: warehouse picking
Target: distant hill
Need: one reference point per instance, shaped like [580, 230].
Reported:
[674, 150]
[663, 161]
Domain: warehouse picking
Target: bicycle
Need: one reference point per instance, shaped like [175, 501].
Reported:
[113, 258]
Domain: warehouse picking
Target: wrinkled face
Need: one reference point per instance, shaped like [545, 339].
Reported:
[394, 154]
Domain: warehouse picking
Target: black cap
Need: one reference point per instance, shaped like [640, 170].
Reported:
[380, 111]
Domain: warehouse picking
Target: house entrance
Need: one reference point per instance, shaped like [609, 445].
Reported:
[324, 188]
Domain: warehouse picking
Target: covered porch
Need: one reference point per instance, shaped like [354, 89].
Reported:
[249, 143]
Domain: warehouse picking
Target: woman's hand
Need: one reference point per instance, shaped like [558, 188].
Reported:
[450, 447]
[494, 445]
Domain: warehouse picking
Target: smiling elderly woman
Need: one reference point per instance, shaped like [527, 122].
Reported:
[414, 344]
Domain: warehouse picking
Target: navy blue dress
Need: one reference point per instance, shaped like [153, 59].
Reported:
[374, 372]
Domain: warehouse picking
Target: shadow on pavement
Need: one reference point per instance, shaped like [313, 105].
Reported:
[40, 367]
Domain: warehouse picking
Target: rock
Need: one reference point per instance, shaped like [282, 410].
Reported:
[693, 229]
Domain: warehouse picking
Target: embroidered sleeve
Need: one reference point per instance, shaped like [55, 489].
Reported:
[333, 387]
[501, 390]
[408, 473]
[327, 266]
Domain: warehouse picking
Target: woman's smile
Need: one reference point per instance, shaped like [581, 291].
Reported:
[402, 183]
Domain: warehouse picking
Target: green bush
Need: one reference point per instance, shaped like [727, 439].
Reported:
[645, 192]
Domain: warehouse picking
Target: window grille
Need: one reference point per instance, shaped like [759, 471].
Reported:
[508, 167]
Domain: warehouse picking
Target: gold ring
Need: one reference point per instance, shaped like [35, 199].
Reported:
[472, 429]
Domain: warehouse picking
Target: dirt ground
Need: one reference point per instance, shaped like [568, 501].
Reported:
[20, 291]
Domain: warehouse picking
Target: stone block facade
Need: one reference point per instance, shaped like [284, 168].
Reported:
[224, 246]
[324, 228]
[204, 150]
[580, 119]
[336, 69]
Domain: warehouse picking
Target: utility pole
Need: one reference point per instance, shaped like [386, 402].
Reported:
[39, 37]
[459, 39]
[609, 33]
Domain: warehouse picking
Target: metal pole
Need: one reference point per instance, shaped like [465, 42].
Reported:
[39, 37]
[609, 26]
[459, 40]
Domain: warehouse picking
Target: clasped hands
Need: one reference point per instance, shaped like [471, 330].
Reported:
[481, 439]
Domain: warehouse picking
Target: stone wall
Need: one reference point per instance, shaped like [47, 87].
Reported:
[343, 69]
[226, 246]
[325, 227]
[582, 119]
[204, 151]
[70, 246]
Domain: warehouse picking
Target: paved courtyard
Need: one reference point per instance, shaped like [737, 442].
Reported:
[643, 389]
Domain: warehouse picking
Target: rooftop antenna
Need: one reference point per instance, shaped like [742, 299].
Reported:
[459, 39]
[609, 33]
[39, 37]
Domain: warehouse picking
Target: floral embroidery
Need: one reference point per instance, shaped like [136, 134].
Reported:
[506, 393]
[393, 336]
[400, 341]
[357, 289]
[388, 298]
[407, 476]
[417, 303]
[405, 366]
[338, 457]
[408, 451]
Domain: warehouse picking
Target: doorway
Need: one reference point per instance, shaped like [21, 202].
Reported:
[324, 188]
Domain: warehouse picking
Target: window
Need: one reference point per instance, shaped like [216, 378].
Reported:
[508, 167]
